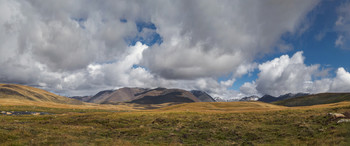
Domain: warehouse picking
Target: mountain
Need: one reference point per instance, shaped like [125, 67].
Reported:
[114, 96]
[27, 93]
[163, 95]
[202, 96]
[250, 98]
[148, 96]
[82, 98]
[269, 98]
[322, 98]
[100, 96]
[291, 95]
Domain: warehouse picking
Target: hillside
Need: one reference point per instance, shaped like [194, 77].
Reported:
[115, 96]
[269, 98]
[149, 96]
[162, 95]
[26, 93]
[322, 98]
[202, 96]
[243, 106]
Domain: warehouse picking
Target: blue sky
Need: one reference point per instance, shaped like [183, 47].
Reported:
[229, 49]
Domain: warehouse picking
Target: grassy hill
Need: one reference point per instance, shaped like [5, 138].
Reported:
[322, 98]
[251, 106]
[26, 93]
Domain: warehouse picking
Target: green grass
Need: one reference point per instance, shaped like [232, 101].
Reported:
[67, 127]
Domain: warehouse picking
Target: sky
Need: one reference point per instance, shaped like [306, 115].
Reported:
[227, 48]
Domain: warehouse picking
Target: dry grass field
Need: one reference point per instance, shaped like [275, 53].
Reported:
[251, 123]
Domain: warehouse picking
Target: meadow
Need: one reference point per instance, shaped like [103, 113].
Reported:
[235, 123]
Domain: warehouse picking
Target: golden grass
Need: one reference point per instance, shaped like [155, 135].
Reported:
[21, 92]
[222, 107]
[168, 107]
[202, 123]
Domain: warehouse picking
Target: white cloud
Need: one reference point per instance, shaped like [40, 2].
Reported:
[340, 41]
[249, 88]
[219, 38]
[342, 26]
[75, 47]
[341, 83]
[283, 75]
[340, 21]
[290, 75]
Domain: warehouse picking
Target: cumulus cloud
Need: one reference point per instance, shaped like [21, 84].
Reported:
[341, 82]
[80, 47]
[291, 75]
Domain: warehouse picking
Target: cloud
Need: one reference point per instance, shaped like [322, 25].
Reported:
[75, 47]
[284, 74]
[291, 75]
[249, 88]
[211, 38]
[341, 82]
[342, 26]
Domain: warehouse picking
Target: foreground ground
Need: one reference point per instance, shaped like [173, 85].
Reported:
[188, 124]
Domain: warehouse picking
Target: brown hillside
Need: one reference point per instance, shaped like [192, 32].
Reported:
[144, 96]
[162, 95]
[21, 92]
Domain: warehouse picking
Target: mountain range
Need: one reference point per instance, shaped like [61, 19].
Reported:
[23, 93]
[146, 96]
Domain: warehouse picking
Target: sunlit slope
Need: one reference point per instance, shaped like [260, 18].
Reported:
[222, 107]
[26, 93]
[322, 98]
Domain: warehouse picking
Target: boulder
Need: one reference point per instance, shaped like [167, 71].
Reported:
[336, 115]
[343, 121]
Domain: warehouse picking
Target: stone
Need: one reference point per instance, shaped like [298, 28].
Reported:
[343, 121]
[336, 115]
